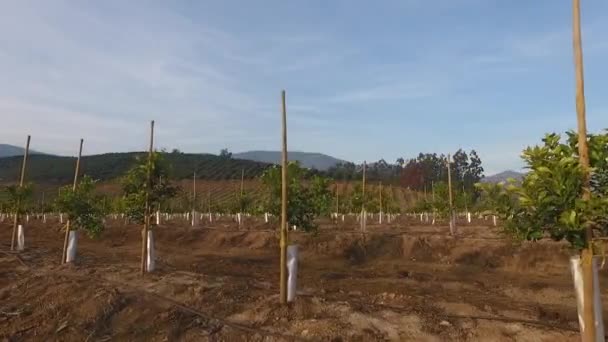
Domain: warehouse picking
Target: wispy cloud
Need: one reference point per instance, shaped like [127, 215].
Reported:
[211, 74]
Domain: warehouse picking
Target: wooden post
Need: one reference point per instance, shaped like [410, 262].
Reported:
[209, 203]
[67, 224]
[18, 204]
[242, 193]
[194, 199]
[144, 243]
[42, 205]
[380, 216]
[363, 214]
[451, 208]
[337, 201]
[283, 242]
[589, 329]
[464, 194]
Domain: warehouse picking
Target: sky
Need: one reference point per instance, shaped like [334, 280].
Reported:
[364, 80]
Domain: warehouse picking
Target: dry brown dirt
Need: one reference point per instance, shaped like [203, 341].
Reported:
[399, 282]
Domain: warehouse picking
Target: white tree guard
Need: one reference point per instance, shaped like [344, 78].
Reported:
[292, 272]
[194, 218]
[20, 238]
[150, 255]
[577, 276]
[72, 246]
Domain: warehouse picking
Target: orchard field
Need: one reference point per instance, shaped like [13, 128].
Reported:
[403, 281]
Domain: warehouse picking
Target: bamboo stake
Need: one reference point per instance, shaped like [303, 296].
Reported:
[464, 193]
[451, 208]
[42, 205]
[144, 244]
[67, 224]
[589, 329]
[380, 218]
[21, 178]
[283, 242]
[337, 201]
[242, 192]
[363, 214]
[209, 202]
[194, 199]
[242, 181]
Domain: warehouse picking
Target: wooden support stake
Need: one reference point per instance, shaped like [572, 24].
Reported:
[337, 201]
[451, 206]
[363, 213]
[144, 243]
[21, 178]
[194, 199]
[589, 329]
[242, 193]
[380, 218]
[464, 193]
[283, 242]
[74, 184]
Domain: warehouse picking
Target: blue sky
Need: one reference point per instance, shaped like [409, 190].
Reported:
[365, 80]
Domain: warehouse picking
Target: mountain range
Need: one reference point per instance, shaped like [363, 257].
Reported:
[503, 176]
[309, 160]
[7, 150]
[317, 161]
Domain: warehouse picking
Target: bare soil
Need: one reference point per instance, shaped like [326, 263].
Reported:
[398, 282]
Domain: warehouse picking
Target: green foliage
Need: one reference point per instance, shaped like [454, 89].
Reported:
[304, 201]
[548, 202]
[225, 153]
[243, 203]
[135, 188]
[18, 197]
[427, 169]
[356, 198]
[84, 208]
[389, 203]
[321, 195]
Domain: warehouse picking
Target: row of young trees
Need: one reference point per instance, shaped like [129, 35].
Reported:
[311, 195]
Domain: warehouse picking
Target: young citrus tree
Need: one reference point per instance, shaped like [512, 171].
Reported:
[440, 204]
[84, 208]
[243, 203]
[135, 189]
[18, 198]
[305, 201]
[548, 202]
[320, 192]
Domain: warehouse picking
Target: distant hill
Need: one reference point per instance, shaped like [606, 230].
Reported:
[317, 161]
[7, 150]
[503, 176]
[57, 169]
